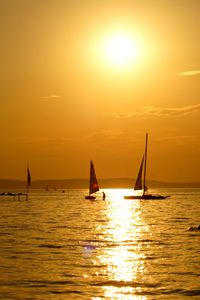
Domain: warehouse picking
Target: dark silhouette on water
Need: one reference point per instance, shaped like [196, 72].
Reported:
[93, 183]
[139, 185]
[194, 228]
[18, 195]
[104, 196]
[14, 195]
[28, 183]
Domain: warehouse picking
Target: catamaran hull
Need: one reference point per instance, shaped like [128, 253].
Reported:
[90, 197]
[145, 197]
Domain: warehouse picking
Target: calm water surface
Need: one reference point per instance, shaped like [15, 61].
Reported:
[60, 246]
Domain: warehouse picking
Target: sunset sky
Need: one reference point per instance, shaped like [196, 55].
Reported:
[86, 79]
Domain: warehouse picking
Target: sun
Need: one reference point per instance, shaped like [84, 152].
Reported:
[120, 49]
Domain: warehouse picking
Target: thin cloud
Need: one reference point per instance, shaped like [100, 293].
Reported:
[51, 97]
[190, 73]
[118, 115]
[156, 111]
[176, 111]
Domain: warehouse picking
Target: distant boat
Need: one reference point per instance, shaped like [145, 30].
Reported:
[139, 185]
[93, 184]
[194, 228]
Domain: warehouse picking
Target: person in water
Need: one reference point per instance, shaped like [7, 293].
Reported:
[104, 195]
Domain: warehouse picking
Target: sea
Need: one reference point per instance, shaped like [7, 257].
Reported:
[58, 246]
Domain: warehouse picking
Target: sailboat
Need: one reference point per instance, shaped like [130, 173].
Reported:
[93, 184]
[139, 185]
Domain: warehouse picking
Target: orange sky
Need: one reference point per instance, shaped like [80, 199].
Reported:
[63, 102]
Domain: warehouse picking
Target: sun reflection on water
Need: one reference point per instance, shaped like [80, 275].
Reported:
[123, 256]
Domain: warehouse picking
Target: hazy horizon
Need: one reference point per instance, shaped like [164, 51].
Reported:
[84, 80]
[99, 179]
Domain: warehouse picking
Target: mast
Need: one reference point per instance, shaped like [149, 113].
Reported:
[145, 164]
[90, 185]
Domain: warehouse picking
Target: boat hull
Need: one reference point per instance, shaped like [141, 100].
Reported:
[89, 197]
[145, 197]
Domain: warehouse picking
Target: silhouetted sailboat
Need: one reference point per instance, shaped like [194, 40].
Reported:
[28, 182]
[139, 185]
[93, 184]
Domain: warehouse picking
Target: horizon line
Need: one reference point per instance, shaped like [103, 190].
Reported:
[107, 178]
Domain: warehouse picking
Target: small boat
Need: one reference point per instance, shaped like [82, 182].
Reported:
[139, 185]
[93, 184]
[194, 228]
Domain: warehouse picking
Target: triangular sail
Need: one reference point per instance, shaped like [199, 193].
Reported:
[94, 187]
[28, 182]
[138, 183]
[28, 177]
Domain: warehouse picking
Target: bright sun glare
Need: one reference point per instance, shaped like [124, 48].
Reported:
[120, 49]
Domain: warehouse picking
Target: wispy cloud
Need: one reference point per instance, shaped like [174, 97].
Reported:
[190, 73]
[175, 111]
[51, 97]
[119, 115]
[156, 111]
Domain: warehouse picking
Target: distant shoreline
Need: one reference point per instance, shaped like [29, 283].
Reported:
[83, 183]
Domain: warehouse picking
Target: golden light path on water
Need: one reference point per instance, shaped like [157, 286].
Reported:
[123, 258]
